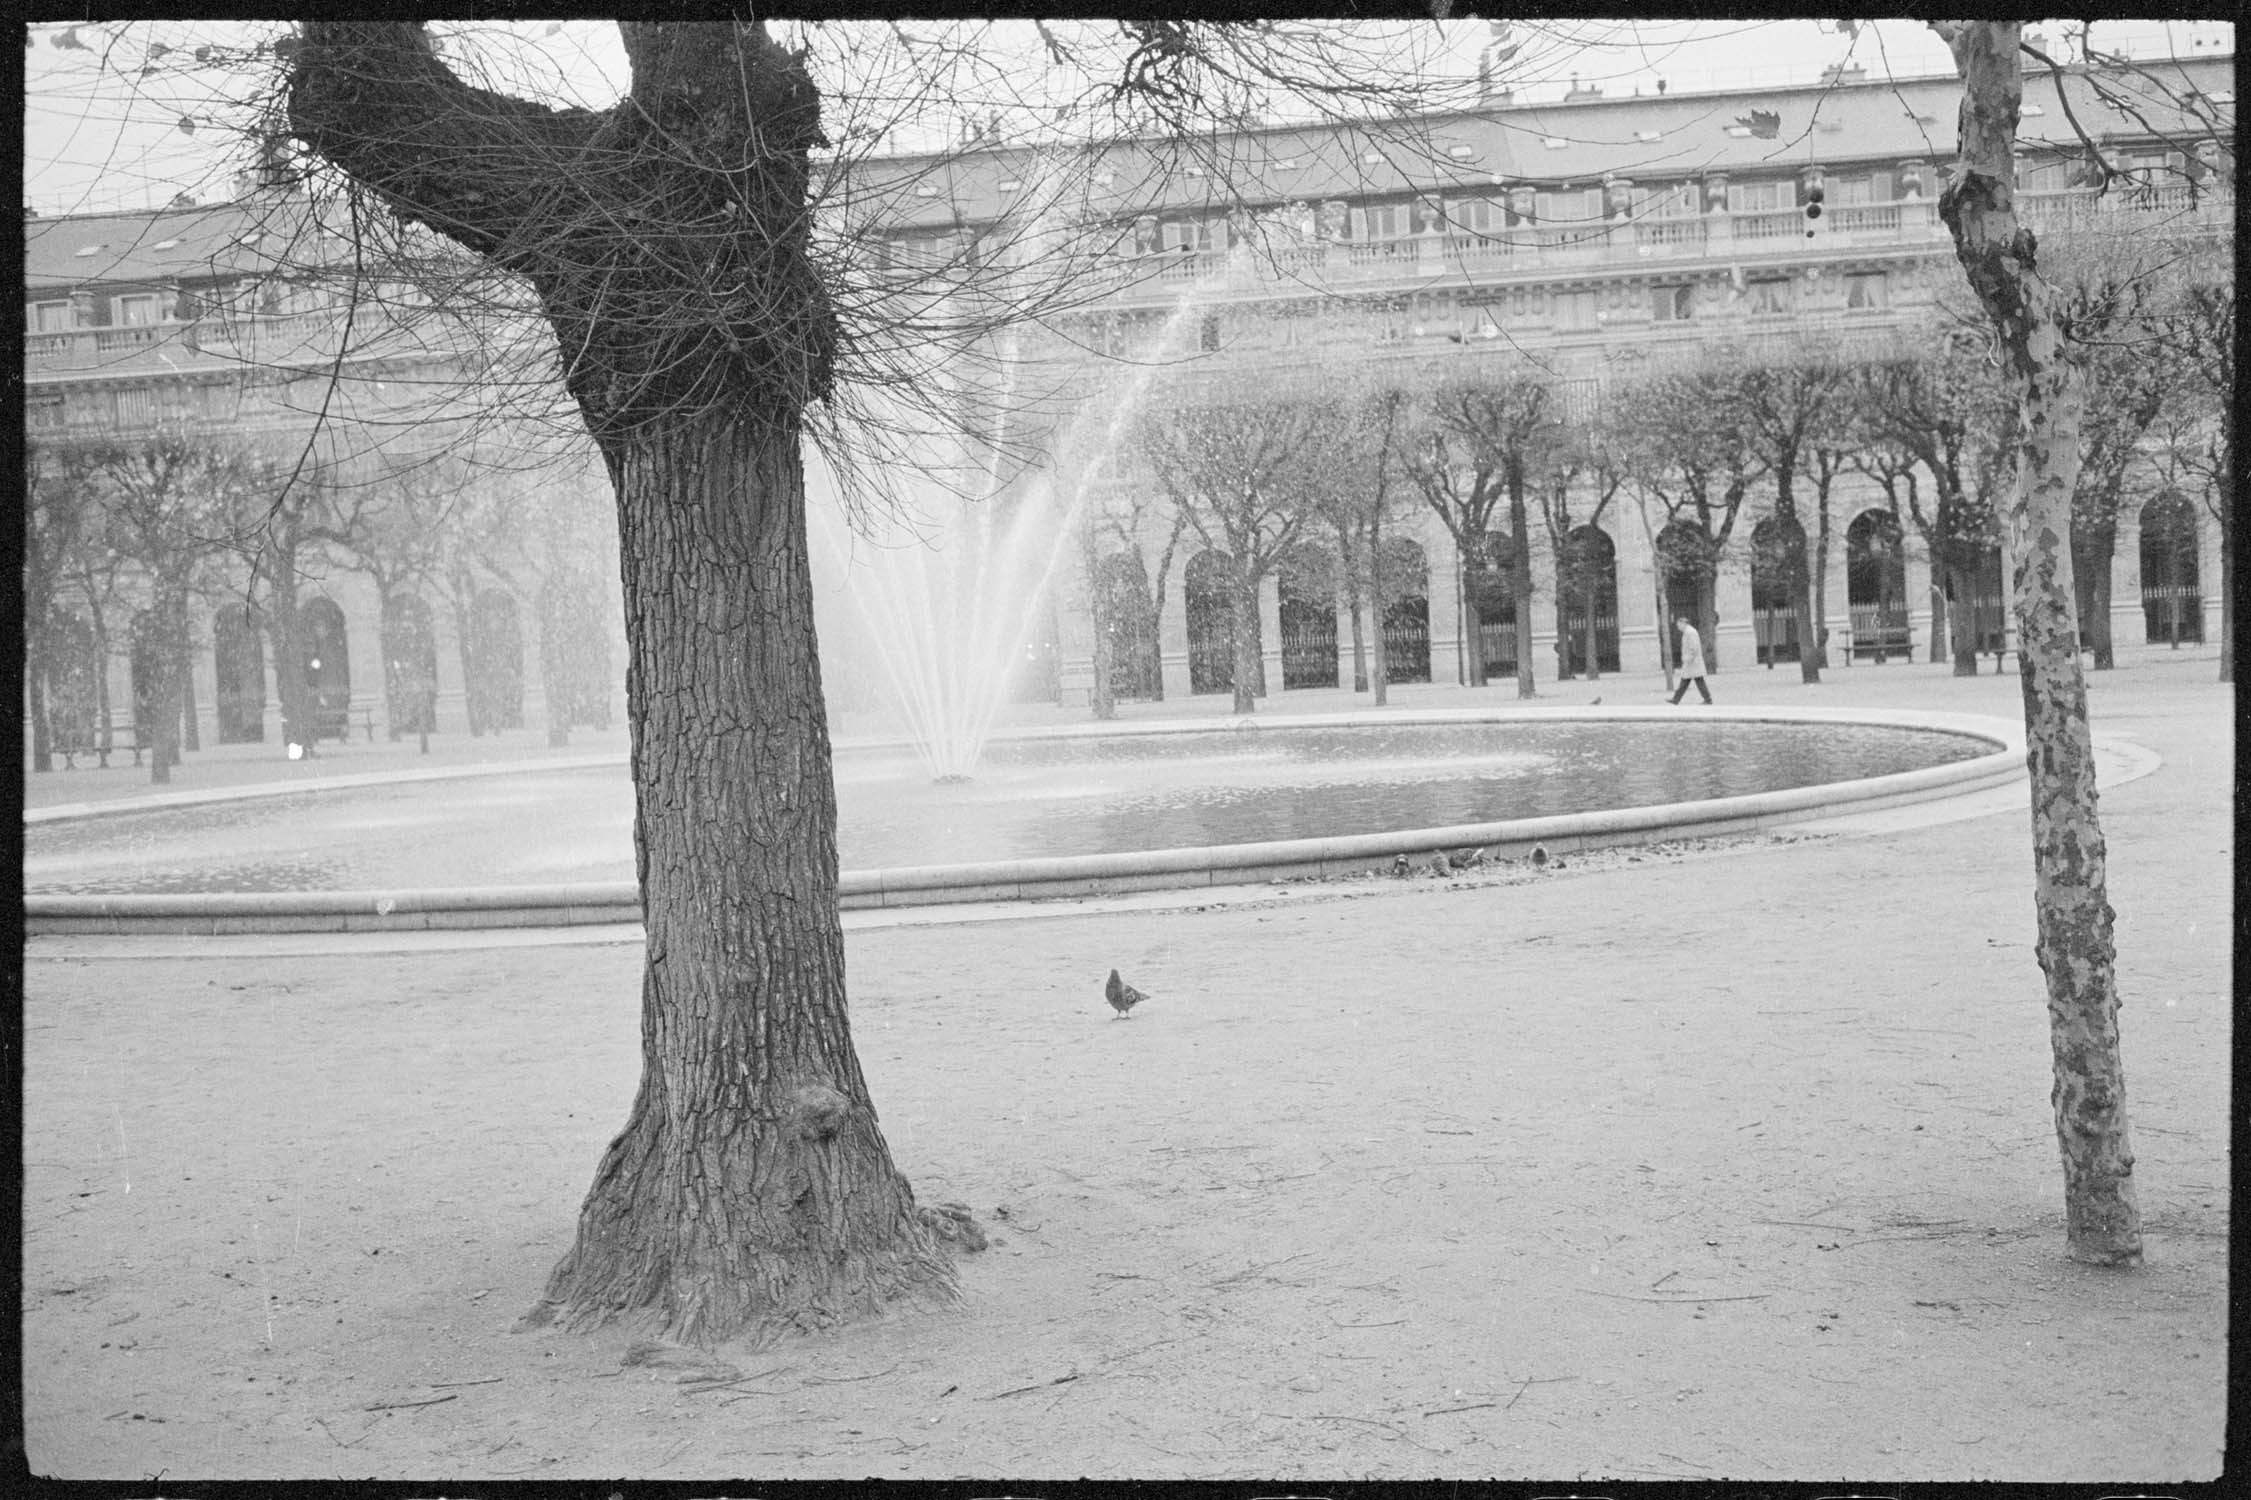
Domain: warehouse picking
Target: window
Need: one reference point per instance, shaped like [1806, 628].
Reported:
[1582, 206]
[1679, 202]
[1774, 295]
[136, 407]
[1480, 215]
[1575, 309]
[43, 411]
[1845, 191]
[1672, 304]
[47, 317]
[1865, 291]
[1210, 332]
[1760, 197]
[136, 311]
[1383, 221]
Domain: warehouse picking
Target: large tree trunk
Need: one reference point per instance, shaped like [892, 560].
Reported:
[1520, 584]
[750, 1188]
[1353, 603]
[1961, 618]
[35, 684]
[1379, 642]
[1799, 580]
[2092, 552]
[1242, 609]
[2227, 598]
[1590, 632]
[2075, 949]
[285, 633]
[167, 622]
[1473, 628]
[1102, 699]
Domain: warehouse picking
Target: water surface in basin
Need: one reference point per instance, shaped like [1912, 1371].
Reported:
[1032, 798]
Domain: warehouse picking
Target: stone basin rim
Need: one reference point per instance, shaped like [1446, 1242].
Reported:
[1053, 876]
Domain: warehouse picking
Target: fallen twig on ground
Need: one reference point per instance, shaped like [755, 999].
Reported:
[1683, 1300]
[1474, 1406]
[838, 1379]
[402, 1405]
[439, 1385]
[1043, 1385]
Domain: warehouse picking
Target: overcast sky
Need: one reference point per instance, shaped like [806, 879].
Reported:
[106, 102]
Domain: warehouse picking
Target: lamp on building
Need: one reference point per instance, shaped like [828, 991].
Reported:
[1814, 193]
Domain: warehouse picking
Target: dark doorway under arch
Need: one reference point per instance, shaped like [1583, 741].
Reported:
[327, 666]
[1306, 578]
[494, 693]
[1405, 577]
[1587, 584]
[1774, 614]
[2172, 593]
[238, 658]
[1136, 657]
[1876, 586]
[410, 667]
[1211, 623]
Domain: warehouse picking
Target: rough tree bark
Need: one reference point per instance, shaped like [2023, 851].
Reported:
[750, 1188]
[2075, 949]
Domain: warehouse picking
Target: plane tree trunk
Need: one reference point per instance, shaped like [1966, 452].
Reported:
[2075, 947]
[750, 1188]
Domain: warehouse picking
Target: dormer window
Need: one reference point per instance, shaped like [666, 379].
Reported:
[1461, 153]
[1554, 142]
[85, 250]
[165, 245]
[1649, 135]
[135, 311]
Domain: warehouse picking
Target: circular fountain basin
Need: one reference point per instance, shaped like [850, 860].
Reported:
[1086, 810]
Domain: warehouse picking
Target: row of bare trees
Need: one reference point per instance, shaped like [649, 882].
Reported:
[159, 527]
[1252, 467]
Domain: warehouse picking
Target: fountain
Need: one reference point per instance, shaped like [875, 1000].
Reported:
[943, 593]
[945, 589]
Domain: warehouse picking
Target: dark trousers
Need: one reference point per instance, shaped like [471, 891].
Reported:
[1682, 691]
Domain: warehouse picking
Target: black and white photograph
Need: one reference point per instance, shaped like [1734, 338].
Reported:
[1266, 752]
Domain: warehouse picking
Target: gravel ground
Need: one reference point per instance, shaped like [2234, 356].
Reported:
[1719, 1160]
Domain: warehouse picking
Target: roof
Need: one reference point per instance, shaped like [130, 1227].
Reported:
[214, 242]
[1647, 138]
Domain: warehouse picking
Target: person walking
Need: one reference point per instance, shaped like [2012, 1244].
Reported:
[1691, 662]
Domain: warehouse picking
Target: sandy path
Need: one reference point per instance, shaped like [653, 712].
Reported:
[1726, 1161]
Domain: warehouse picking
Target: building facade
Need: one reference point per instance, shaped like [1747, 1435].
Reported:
[1594, 238]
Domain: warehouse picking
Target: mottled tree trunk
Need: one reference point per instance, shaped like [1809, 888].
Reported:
[167, 620]
[2075, 949]
[750, 1186]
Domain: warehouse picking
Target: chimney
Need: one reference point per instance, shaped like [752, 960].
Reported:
[1844, 73]
[1582, 92]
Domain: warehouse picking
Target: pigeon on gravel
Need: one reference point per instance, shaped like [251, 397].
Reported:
[1122, 996]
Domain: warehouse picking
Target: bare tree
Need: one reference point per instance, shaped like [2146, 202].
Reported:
[1240, 471]
[2045, 374]
[1477, 441]
[667, 242]
[1787, 403]
[173, 501]
[1584, 456]
[2197, 434]
[1946, 410]
[1358, 495]
[1684, 449]
[61, 515]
